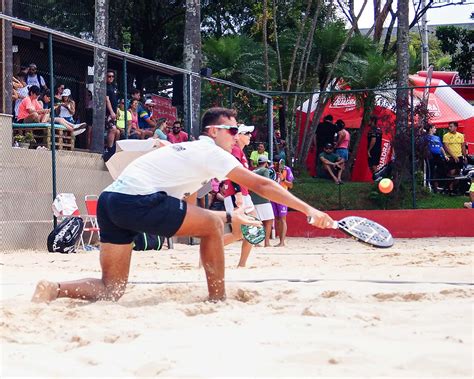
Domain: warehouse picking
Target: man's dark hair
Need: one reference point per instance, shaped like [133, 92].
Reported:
[454, 123]
[177, 122]
[47, 93]
[212, 115]
[110, 71]
[34, 90]
[136, 90]
[328, 118]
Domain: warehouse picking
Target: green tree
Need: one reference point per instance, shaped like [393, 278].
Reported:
[437, 57]
[459, 43]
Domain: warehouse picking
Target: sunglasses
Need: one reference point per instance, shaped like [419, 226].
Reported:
[111, 76]
[247, 133]
[233, 130]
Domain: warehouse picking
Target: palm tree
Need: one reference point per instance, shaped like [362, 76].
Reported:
[370, 71]
[237, 59]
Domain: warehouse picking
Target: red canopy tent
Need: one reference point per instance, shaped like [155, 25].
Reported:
[444, 105]
[465, 89]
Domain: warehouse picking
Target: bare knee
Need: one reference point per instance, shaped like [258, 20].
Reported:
[115, 291]
[214, 224]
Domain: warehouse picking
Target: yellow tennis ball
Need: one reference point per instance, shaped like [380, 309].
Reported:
[385, 185]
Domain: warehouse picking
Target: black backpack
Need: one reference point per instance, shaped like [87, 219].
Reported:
[64, 237]
[145, 241]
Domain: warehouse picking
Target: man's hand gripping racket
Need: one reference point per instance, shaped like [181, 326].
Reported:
[359, 228]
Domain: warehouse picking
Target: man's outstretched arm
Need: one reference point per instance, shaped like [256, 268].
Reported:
[271, 190]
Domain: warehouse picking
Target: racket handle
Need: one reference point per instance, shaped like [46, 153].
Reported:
[335, 224]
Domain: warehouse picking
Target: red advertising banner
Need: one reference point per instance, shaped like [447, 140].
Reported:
[163, 108]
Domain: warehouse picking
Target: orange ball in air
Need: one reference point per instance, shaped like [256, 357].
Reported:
[385, 185]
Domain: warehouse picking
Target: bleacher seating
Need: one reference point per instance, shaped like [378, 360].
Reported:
[42, 134]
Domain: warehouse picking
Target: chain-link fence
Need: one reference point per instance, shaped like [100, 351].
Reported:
[428, 153]
[54, 70]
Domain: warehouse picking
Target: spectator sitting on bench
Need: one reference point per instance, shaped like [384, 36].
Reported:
[331, 165]
[76, 129]
[121, 119]
[30, 110]
[58, 91]
[66, 107]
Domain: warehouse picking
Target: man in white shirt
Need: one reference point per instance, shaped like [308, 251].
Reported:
[35, 79]
[148, 197]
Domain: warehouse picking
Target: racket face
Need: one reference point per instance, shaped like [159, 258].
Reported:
[253, 234]
[366, 231]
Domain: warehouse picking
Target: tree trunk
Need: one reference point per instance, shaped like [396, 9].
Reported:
[265, 44]
[7, 59]
[100, 71]
[403, 62]
[277, 45]
[192, 62]
[368, 105]
[297, 45]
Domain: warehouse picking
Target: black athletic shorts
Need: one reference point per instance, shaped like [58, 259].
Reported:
[121, 217]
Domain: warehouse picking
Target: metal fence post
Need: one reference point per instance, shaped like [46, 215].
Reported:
[270, 127]
[125, 95]
[189, 106]
[413, 165]
[53, 132]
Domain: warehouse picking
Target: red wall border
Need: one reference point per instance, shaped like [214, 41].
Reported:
[410, 223]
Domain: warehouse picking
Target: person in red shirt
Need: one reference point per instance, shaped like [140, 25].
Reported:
[237, 196]
[30, 110]
[177, 135]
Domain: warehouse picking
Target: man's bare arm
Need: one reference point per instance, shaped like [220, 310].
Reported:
[273, 191]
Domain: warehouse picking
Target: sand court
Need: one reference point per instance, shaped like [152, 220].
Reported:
[320, 307]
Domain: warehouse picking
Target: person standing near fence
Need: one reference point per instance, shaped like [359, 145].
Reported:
[454, 145]
[437, 158]
[263, 206]
[284, 177]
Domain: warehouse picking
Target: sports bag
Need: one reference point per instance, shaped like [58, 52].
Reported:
[64, 237]
[145, 241]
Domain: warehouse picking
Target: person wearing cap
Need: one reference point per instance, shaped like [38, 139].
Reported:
[237, 196]
[263, 207]
[67, 107]
[145, 122]
[331, 165]
[284, 177]
[35, 79]
[254, 155]
[149, 196]
[75, 129]
[177, 135]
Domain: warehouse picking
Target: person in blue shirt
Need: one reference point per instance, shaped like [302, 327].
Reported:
[145, 119]
[437, 158]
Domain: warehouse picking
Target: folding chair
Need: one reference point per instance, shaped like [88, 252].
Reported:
[90, 220]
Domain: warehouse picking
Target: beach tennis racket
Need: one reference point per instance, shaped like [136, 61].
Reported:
[253, 234]
[364, 230]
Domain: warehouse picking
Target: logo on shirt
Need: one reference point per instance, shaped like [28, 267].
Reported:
[178, 147]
